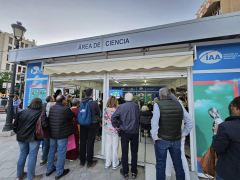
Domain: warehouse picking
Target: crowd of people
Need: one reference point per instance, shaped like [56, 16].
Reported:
[168, 124]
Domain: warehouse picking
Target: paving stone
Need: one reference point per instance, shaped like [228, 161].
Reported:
[8, 164]
[5, 173]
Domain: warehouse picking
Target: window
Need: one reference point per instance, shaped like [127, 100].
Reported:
[9, 48]
[12, 67]
[10, 40]
[19, 68]
[7, 66]
[18, 77]
[22, 44]
[24, 70]
[26, 45]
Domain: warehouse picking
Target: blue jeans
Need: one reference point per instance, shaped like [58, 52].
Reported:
[27, 148]
[219, 178]
[174, 147]
[61, 146]
[45, 148]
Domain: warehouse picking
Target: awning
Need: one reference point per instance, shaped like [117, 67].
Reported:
[146, 62]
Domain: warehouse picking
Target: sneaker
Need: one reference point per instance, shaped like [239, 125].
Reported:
[107, 167]
[48, 174]
[65, 172]
[42, 162]
[94, 163]
[82, 164]
[124, 175]
[22, 176]
[118, 166]
[37, 177]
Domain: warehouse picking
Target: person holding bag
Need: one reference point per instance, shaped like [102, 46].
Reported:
[112, 139]
[74, 153]
[25, 126]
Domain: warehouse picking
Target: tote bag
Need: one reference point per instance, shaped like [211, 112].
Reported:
[39, 131]
[71, 143]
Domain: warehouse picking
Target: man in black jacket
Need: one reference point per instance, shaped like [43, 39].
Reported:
[127, 118]
[60, 127]
[88, 132]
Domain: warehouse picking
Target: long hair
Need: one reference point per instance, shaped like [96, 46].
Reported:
[17, 97]
[112, 102]
[235, 103]
[36, 103]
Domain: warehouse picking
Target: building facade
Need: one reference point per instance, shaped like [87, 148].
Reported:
[7, 43]
[217, 7]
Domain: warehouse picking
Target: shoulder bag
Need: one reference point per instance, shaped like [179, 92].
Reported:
[39, 131]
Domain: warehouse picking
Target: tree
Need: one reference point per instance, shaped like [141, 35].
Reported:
[5, 77]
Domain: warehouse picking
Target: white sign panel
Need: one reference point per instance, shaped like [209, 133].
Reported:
[71, 91]
[4, 85]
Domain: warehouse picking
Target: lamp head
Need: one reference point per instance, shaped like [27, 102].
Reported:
[18, 30]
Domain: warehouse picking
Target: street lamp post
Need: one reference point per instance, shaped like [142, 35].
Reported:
[18, 31]
[20, 89]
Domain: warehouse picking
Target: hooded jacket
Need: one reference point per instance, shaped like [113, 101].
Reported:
[227, 145]
[95, 110]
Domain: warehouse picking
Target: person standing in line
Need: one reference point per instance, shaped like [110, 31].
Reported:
[74, 153]
[88, 132]
[126, 117]
[112, 139]
[155, 98]
[58, 92]
[60, 128]
[145, 120]
[166, 132]
[226, 143]
[135, 99]
[141, 101]
[121, 100]
[169, 164]
[16, 103]
[24, 126]
[46, 141]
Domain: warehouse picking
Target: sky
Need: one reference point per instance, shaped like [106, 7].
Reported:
[51, 21]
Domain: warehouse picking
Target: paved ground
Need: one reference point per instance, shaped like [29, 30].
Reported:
[9, 153]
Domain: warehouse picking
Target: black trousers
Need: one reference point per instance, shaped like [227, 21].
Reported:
[133, 138]
[87, 139]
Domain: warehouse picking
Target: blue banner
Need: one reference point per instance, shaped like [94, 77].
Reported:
[34, 70]
[141, 89]
[223, 56]
[150, 88]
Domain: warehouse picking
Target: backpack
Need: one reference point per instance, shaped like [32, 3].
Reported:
[208, 163]
[84, 114]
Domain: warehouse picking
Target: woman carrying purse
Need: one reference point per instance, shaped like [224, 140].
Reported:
[25, 126]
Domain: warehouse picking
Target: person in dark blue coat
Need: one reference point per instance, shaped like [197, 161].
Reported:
[227, 144]
[126, 118]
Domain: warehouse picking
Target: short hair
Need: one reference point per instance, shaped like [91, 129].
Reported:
[155, 95]
[128, 97]
[75, 101]
[36, 103]
[89, 91]
[145, 108]
[112, 102]
[165, 92]
[58, 91]
[49, 98]
[60, 98]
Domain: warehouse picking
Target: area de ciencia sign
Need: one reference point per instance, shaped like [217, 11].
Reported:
[113, 42]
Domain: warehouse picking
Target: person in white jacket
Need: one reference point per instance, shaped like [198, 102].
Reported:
[169, 163]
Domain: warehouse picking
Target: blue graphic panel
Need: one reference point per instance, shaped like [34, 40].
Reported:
[34, 71]
[141, 89]
[223, 56]
[132, 88]
[35, 88]
[150, 88]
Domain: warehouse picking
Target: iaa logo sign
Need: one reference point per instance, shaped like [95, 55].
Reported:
[210, 57]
